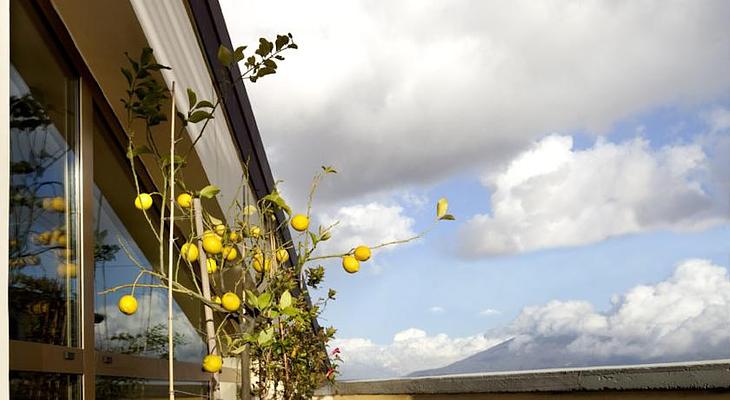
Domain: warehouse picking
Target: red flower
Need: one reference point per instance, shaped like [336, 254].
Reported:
[330, 373]
[336, 351]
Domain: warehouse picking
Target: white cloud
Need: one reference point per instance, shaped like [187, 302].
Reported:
[489, 312]
[684, 317]
[411, 350]
[436, 309]
[553, 195]
[397, 94]
[369, 224]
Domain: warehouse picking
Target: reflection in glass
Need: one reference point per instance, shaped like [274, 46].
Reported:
[123, 237]
[43, 386]
[108, 388]
[43, 287]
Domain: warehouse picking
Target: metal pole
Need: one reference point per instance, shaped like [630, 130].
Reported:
[170, 329]
[209, 325]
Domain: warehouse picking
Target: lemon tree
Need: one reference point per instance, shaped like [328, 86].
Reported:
[258, 286]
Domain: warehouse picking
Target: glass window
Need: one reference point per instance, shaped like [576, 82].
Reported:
[43, 286]
[121, 232]
[42, 386]
[135, 388]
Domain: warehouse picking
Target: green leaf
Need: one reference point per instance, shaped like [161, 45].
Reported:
[281, 41]
[209, 191]
[192, 98]
[249, 210]
[199, 116]
[166, 160]
[285, 301]
[146, 56]
[290, 311]
[143, 149]
[238, 53]
[265, 336]
[205, 104]
[214, 220]
[275, 197]
[127, 74]
[265, 300]
[328, 169]
[265, 47]
[251, 299]
[225, 56]
[448, 217]
[441, 207]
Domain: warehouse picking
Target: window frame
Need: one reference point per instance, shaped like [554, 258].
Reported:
[84, 360]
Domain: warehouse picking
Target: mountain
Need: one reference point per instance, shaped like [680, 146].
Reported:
[538, 353]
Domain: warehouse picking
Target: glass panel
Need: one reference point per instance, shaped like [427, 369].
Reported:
[41, 386]
[121, 231]
[136, 388]
[42, 263]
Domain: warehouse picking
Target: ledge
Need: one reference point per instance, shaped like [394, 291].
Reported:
[675, 376]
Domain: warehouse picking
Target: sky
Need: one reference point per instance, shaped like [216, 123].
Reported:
[584, 148]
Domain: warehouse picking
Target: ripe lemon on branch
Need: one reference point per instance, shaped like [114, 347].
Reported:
[230, 253]
[362, 253]
[212, 244]
[143, 201]
[185, 200]
[261, 263]
[212, 363]
[231, 302]
[190, 252]
[350, 264]
[300, 222]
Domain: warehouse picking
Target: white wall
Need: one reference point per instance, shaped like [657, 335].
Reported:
[171, 35]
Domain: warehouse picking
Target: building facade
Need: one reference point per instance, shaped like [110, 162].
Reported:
[72, 230]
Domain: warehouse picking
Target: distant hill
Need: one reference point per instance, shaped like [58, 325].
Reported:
[540, 353]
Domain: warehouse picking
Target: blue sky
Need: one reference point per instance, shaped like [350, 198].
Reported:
[411, 280]
[583, 150]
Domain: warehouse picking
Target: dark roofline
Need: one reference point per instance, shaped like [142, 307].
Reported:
[212, 33]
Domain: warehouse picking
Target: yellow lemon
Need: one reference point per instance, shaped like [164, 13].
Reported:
[282, 256]
[230, 253]
[362, 253]
[55, 234]
[350, 264]
[47, 203]
[212, 363]
[66, 270]
[143, 201]
[211, 265]
[217, 300]
[209, 232]
[234, 237]
[231, 302]
[190, 252]
[43, 238]
[185, 200]
[220, 230]
[58, 204]
[300, 222]
[212, 244]
[254, 231]
[128, 304]
[261, 263]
